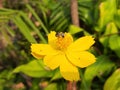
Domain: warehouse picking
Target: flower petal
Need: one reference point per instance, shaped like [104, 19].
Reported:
[81, 59]
[83, 43]
[69, 71]
[52, 37]
[40, 50]
[37, 56]
[54, 61]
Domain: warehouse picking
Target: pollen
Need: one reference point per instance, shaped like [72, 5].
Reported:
[63, 42]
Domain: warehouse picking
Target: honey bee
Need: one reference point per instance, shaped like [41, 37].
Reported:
[60, 34]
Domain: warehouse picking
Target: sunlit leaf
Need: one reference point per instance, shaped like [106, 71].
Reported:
[5, 11]
[52, 86]
[117, 18]
[24, 29]
[107, 12]
[74, 29]
[114, 44]
[35, 68]
[34, 28]
[101, 66]
[113, 82]
[111, 29]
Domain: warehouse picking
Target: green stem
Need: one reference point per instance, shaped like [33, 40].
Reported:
[83, 80]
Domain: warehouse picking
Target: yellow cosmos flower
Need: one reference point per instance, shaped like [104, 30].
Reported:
[62, 52]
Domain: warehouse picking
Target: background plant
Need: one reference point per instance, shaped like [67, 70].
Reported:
[25, 22]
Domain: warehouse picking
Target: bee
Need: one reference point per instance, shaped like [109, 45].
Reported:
[60, 34]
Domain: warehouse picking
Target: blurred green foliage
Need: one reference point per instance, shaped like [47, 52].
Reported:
[29, 21]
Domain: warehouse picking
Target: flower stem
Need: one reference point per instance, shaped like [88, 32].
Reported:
[74, 12]
[71, 86]
[75, 21]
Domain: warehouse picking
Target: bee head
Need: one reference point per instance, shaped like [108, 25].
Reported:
[60, 34]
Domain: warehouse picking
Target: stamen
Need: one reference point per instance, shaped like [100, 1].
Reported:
[63, 40]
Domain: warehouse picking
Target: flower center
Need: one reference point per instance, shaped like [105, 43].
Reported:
[63, 40]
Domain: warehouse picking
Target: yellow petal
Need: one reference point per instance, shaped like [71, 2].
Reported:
[40, 50]
[54, 61]
[52, 37]
[83, 43]
[81, 59]
[69, 71]
[37, 56]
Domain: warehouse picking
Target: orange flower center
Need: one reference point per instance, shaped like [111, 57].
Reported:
[63, 40]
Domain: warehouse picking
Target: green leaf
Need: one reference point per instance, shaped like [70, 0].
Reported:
[5, 74]
[86, 11]
[114, 44]
[35, 68]
[111, 29]
[24, 29]
[102, 65]
[113, 82]
[4, 11]
[10, 31]
[32, 26]
[52, 86]
[107, 12]
[74, 29]
[117, 18]
[6, 36]
[37, 17]
[60, 17]
[56, 17]
[56, 75]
